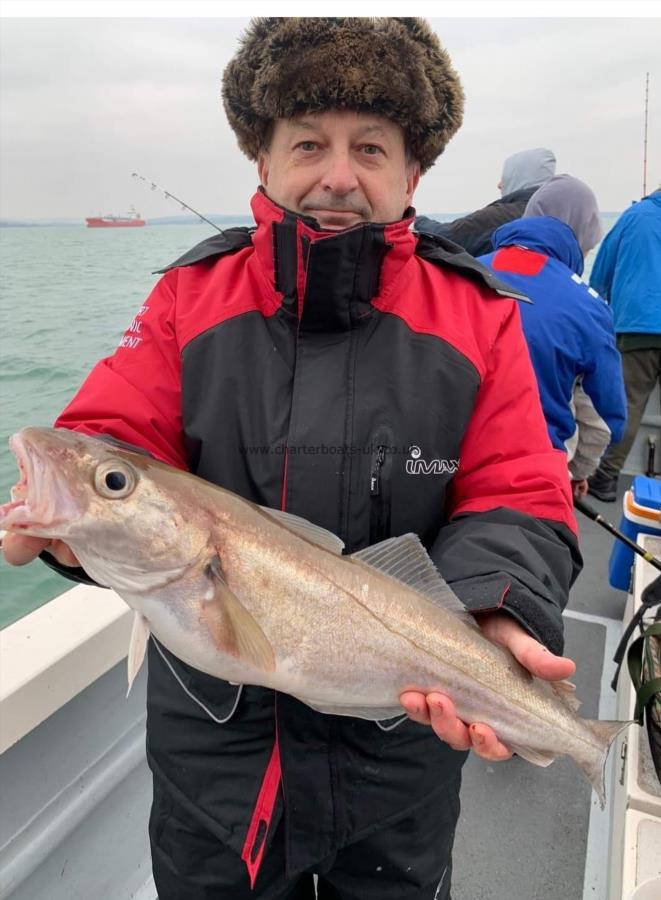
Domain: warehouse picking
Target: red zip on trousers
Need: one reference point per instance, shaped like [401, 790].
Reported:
[253, 848]
[260, 822]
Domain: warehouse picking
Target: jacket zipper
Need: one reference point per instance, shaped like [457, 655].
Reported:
[378, 459]
[379, 496]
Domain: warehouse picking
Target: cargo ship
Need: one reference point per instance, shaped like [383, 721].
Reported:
[132, 220]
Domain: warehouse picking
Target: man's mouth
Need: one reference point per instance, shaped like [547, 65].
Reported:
[334, 219]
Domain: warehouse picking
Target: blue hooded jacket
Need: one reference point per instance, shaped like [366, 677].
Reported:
[568, 327]
[627, 270]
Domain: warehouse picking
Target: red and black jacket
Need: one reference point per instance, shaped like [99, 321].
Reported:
[375, 383]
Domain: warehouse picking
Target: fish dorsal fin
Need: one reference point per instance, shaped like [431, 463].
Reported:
[313, 533]
[405, 559]
[137, 647]
[232, 627]
[567, 693]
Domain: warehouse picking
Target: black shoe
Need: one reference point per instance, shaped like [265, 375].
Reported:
[602, 486]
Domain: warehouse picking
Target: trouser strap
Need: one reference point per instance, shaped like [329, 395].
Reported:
[645, 690]
[651, 597]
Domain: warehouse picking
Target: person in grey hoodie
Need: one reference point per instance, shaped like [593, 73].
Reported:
[523, 173]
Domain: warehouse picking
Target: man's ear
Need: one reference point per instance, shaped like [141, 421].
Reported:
[412, 180]
[263, 166]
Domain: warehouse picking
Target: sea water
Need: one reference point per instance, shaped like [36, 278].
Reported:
[67, 294]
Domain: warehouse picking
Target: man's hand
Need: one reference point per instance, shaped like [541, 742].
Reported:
[438, 710]
[579, 488]
[20, 549]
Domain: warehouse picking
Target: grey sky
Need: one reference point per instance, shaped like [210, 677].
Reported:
[85, 102]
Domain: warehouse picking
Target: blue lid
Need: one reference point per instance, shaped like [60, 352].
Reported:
[647, 492]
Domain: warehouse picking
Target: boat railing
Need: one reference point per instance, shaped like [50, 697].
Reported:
[56, 651]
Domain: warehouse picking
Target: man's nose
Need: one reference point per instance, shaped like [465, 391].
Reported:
[339, 175]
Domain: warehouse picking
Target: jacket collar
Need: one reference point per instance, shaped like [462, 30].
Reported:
[350, 268]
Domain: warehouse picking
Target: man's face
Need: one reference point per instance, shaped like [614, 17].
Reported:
[343, 168]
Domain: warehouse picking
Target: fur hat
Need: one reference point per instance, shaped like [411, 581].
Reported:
[389, 66]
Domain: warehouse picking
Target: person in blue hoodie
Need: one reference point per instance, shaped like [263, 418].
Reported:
[568, 327]
[627, 273]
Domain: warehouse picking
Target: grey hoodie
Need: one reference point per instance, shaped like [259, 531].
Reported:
[528, 168]
[574, 203]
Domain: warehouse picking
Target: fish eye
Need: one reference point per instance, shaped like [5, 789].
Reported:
[114, 479]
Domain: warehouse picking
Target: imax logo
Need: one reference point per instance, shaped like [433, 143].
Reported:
[418, 466]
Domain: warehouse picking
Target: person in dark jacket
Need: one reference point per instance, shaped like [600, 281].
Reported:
[306, 364]
[568, 327]
[523, 174]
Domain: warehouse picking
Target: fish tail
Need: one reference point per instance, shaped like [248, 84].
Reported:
[594, 764]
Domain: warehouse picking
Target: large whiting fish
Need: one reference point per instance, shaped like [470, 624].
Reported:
[258, 596]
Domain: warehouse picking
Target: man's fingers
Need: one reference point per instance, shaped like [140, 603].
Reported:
[63, 553]
[20, 549]
[416, 707]
[438, 710]
[445, 723]
[485, 743]
[532, 655]
[539, 661]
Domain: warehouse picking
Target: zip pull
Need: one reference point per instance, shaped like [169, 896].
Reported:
[375, 474]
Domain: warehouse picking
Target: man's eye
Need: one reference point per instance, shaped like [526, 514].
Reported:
[307, 146]
[372, 150]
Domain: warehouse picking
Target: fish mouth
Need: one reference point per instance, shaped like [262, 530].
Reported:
[39, 503]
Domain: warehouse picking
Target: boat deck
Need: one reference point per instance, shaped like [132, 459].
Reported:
[527, 833]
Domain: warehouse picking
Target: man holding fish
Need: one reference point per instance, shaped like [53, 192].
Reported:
[332, 365]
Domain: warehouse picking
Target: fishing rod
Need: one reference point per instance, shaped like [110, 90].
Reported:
[647, 93]
[168, 196]
[592, 513]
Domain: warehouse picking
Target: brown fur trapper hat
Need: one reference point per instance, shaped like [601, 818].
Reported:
[389, 66]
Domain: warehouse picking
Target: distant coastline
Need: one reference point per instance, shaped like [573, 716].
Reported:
[162, 220]
[216, 218]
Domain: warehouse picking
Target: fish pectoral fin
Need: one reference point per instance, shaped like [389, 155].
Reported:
[305, 529]
[251, 642]
[233, 628]
[405, 559]
[137, 647]
[536, 757]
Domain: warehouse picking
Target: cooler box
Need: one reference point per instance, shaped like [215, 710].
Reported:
[641, 515]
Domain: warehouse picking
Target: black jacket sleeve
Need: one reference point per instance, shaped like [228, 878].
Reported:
[506, 559]
[473, 232]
